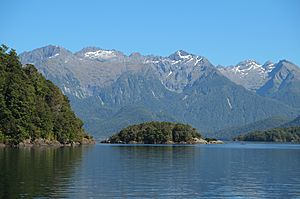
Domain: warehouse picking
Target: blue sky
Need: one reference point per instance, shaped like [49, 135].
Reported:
[224, 31]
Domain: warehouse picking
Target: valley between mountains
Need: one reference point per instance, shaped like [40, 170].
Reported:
[109, 90]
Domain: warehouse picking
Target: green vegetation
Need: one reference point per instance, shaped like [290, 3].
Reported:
[289, 134]
[261, 125]
[32, 107]
[156, 133]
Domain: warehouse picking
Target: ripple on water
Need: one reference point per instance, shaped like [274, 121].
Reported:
[232, 170]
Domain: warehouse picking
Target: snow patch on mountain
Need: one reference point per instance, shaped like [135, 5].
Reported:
[246, 67]
[100, 99]
[154, 94]
[185, 97]
[179, 69]
[57, 54]
[183, 55]
[100, 54]
[198, 60]
[170, 73]
[249, 73]
[229, 104]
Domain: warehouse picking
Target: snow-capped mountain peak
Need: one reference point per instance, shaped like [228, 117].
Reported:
[180, 69]
[95, 53]
[248, 73]
[248, 65]
[180, 55]
[183, 55]
[100, 54]
[268, 66]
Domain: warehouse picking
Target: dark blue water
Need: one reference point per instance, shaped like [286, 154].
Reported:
[231, 170]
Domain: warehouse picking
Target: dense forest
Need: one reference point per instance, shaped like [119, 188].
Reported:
[289, 134]
[156, 133]
[32, 107]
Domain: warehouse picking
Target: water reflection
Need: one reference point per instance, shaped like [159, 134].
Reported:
[188, 172]
[37, 172]
[122, 171]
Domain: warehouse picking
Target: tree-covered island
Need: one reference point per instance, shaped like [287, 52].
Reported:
[159, 133]
[288, 134]
[33, 111]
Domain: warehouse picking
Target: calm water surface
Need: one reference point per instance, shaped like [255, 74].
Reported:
[232, 170]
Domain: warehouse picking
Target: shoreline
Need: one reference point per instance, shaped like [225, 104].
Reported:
[195, 141]
[47, 143]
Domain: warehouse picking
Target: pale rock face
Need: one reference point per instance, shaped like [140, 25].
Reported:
[180, 69]
[83, 73]
[249, 74]
[280, 81]
[254, 76]
[282, 75]
[109, 89]
[95, 68]
[100, 54]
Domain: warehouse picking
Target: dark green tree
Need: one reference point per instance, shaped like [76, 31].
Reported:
[32, 107]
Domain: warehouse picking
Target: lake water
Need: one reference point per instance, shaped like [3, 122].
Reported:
[232, 170]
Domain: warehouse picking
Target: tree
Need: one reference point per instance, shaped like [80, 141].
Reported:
[32, 107]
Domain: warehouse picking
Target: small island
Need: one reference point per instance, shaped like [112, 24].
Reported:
[160, 133]
[289, 134]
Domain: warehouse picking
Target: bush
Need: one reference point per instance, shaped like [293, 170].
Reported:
[156, 133]
[31, 106]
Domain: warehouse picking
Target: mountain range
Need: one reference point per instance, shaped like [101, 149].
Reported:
[109, 90]
[280, 81]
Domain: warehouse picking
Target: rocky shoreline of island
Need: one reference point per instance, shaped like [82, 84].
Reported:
[160, 133]
[41, 142]
[194, 141]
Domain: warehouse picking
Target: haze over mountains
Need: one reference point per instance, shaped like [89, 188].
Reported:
[110, 90]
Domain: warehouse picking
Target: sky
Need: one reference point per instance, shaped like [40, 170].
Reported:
[224, 31]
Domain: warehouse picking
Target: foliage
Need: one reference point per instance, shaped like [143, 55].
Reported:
[32, 107]
[156, 133]
[289, 134]
[136, 94]
[261, 125]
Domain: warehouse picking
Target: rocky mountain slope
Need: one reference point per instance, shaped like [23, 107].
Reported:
[295, 122]
[248, 73]
[261, 125]
[110, 90]
[280, 81]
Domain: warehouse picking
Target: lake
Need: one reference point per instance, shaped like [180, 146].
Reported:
[232, 170]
